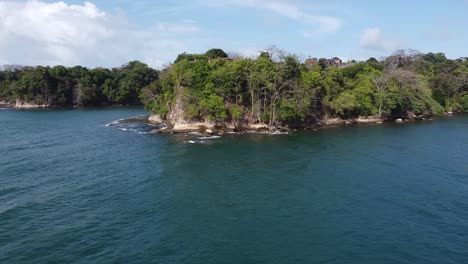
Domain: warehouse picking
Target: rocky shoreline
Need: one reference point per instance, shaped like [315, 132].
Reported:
[5, 104]
[26, 105]
[20, 104]
[211, 128]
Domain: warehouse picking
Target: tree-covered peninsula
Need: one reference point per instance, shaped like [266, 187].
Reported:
[275, 89]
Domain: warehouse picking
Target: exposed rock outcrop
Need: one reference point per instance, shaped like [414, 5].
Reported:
[359, 120]
[156, 119]
[177, 113]
[333, 62]
[367, 120]
[4, 103]
[176, 120]
[260, 126]
[28, 105]
[191, 126]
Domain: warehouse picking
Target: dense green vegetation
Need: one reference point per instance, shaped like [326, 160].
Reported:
[61, 86]
[275, 88]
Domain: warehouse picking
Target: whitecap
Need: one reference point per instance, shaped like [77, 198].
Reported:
[112, 124]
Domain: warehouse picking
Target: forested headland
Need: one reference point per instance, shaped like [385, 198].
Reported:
[77, 86]
[276, 88]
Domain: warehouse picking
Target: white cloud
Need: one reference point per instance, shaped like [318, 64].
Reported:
[250, 52]
[289, 9]
[372, 39]
[38, 33]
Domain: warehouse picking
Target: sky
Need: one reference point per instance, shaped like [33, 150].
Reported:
[105, 33]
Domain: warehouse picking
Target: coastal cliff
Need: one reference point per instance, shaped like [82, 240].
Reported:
[177, 117]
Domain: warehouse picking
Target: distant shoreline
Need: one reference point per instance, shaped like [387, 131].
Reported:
[30, 106]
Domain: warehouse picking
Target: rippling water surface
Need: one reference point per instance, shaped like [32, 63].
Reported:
[73, 190]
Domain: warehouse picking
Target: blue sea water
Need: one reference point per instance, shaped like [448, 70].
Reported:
[73, 190]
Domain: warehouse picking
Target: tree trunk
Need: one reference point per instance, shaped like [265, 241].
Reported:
[252, 95]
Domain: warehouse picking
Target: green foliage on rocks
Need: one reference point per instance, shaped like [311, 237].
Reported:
[277, 89]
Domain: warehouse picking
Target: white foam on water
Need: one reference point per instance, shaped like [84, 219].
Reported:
[118, 121]
[212, 137]
[112, 124]
[268, 133]
[145, 133]
[278, 133]
[191, 142]
[115, 122]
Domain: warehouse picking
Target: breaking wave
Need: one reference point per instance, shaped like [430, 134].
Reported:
[136, 124]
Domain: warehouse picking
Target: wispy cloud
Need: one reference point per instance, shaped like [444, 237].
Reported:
[289, 9]
[372, 39]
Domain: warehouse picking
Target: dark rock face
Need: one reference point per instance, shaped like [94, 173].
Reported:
[333, 62]
[311, 62]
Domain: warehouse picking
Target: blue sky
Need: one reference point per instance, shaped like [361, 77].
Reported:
[109, 33]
